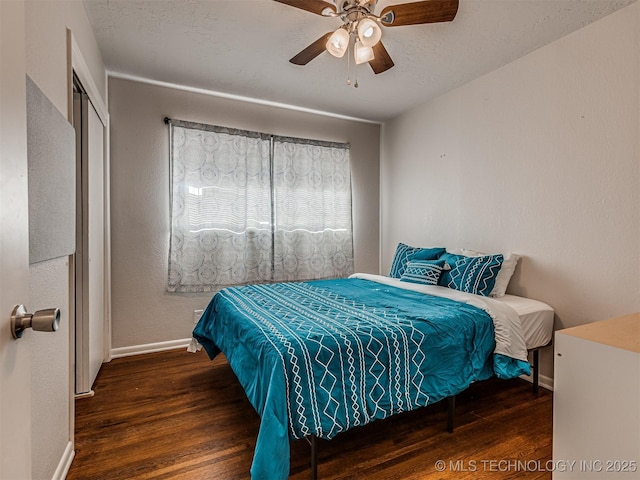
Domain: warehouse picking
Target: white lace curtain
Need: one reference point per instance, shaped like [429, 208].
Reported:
[248, 207]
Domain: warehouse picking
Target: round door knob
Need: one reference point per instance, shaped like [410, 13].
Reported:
[47, 320]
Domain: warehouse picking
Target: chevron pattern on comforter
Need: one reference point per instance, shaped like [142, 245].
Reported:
[322, 357]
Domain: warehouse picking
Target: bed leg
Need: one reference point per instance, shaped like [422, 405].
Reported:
[536, 370]
[451, 413]
[314, 457]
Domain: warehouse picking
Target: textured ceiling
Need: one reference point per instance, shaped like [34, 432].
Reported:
[242, 47]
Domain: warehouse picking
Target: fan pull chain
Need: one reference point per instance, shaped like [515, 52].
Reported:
[349, 64]
[355, 68]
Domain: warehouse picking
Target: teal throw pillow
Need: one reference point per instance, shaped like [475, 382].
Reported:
[404, 253]
[426, 272]
[474, 274]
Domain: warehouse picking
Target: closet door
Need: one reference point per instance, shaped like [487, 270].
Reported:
[90, 268]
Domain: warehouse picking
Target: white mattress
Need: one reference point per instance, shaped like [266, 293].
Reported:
[536, 318]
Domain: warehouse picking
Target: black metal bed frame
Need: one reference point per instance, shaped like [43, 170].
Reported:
[312, 440]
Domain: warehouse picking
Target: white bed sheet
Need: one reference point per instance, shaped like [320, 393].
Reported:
[536, 319]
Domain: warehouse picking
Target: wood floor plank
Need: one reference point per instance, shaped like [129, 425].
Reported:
[176, 415]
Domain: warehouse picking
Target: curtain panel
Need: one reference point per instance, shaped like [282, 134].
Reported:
[249, 207]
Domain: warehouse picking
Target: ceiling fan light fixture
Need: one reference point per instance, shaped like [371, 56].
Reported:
[362, 54]
[338, 43]
[365, 26]
[369, 32]
[328, 12]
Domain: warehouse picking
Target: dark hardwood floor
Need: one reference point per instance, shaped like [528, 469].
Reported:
[180, 416]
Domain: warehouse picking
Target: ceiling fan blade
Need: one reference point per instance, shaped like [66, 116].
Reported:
[429, 11]
[313, 6]
[312, 51]
[381, 61]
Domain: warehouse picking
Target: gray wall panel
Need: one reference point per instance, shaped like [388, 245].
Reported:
[51, 155]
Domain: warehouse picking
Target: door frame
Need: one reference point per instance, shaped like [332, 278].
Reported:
[77, 65]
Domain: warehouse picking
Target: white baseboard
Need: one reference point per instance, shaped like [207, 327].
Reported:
[65, 463]
[88, 394]
[543, 381]
[149, 348]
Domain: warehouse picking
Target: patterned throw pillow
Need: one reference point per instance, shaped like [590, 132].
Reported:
[506, 271]
[425, 272]
[404, 253]
[474, 274]
[450, 259]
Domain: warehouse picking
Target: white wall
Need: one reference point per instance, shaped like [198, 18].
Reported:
[540, 157]
[142, 311]
[46, 63]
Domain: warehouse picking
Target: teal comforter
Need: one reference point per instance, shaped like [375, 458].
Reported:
[318, 358]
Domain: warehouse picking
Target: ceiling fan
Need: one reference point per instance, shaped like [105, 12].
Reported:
[361, 27]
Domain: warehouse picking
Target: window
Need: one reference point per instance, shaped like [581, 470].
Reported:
[248, 207]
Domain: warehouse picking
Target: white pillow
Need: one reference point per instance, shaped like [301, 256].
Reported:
[504, 275]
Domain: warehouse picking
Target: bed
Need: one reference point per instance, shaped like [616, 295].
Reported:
[318, 358]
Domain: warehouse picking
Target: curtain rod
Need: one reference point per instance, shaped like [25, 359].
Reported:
[251, 134]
